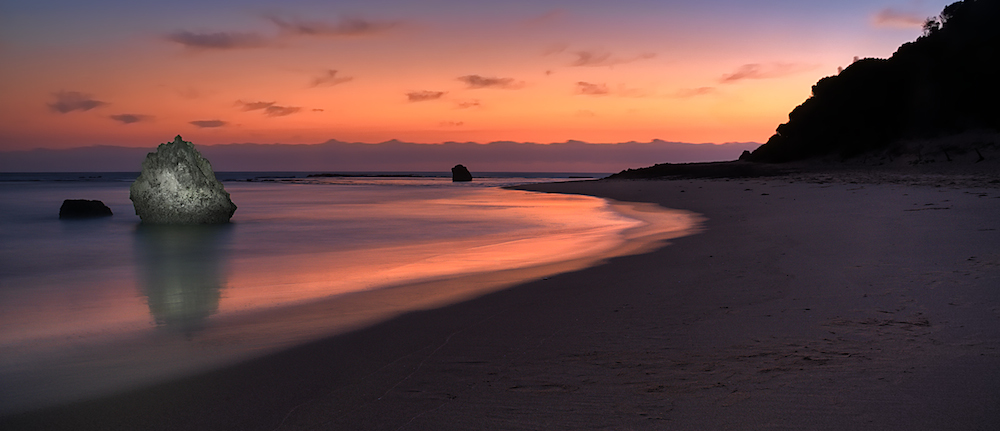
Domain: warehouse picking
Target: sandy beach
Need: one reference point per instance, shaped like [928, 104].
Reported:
[806, 302]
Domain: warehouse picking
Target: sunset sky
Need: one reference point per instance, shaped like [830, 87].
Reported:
[135, 73]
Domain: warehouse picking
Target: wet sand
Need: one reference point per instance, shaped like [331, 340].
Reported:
[804, 303]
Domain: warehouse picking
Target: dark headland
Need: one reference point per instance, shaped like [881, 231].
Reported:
[845, 279]
[934, 106]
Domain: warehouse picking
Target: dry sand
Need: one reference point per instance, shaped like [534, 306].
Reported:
[804, 304]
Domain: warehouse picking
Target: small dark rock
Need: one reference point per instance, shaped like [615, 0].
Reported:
[82, 208]
[460, 173]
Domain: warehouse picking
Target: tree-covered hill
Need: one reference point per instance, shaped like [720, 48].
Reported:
[945, 83]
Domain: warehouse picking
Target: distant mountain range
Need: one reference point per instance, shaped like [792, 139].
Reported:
[391, 156]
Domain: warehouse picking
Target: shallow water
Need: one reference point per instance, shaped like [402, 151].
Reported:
[92, 306]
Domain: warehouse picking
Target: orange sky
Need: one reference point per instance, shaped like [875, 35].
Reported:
[303, 72]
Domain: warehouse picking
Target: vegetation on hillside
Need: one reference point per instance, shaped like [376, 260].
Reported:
[945, 83]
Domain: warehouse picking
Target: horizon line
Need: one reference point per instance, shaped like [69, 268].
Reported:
[391, 141]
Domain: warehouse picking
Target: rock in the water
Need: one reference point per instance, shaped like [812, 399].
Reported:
[177, 186]
[82, 208]
[460, 173]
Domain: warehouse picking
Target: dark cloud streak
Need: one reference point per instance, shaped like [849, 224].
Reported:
[759, 71]
[281, 111]
[591, 89]
[346, 27]
[253, 106]
[130, 118]
[746, 71]
[69, 101]
[478, 81]
[423, 96]
[269, 108]
[208, 123]
[219, 41]
[594, 58]
[329, 79]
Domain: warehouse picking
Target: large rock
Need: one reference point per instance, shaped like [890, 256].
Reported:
[177, 186]
[460, 173]
[82, 208]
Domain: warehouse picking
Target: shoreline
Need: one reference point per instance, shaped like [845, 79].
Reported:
[87, 371]
[801, 305]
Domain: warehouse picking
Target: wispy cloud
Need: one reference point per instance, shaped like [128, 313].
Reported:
[329, 78]
[591, 58]
[468, 104]
[555, 48]
[451, 123]
[69, 101]
[269, 108]
[253, 106]
[602, 89]
[478, 81]
[894, 18]
[189, 93]
[281, 111]
[693, 92]
[591, 89]
[130, 118]
[208, 123]
[219, 40]
[544, 20]
[746, 71]
[625, 91]
[596, 58]
[345, 27]
[423, 96]
[763, 71]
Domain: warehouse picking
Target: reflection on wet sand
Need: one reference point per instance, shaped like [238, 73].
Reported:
[296, 271]
[182, 272]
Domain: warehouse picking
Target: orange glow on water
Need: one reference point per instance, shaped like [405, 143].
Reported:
[568, 228]
[187, 303]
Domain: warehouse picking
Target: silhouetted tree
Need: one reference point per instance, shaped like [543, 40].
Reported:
[931, 25]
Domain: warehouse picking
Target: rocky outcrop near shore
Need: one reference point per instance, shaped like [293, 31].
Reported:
[177, 186]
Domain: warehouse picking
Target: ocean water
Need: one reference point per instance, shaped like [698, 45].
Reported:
[88, 307]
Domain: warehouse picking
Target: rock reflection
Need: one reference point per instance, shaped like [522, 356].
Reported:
[182, 272]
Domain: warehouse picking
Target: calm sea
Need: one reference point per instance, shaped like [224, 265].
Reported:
[88, 307]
